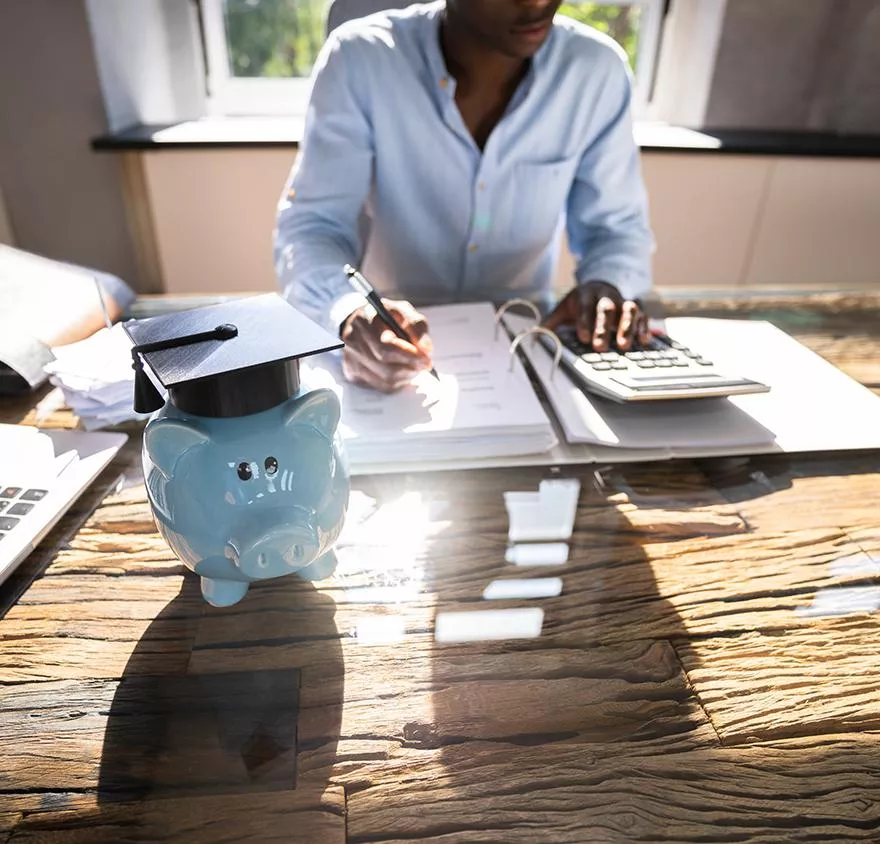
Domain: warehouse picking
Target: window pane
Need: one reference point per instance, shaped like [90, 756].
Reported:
[275, 38]
[281, 38]
[620, 22]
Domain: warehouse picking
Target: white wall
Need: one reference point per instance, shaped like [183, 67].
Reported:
[149, 60]
[721, 221]
[62, 200]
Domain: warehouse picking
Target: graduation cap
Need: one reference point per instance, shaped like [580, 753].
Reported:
[232, 359]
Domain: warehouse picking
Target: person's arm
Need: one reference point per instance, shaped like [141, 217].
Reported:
[317, 221]
[608, 230]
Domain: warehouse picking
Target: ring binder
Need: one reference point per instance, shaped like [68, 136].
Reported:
[509, 304]
[538, 329]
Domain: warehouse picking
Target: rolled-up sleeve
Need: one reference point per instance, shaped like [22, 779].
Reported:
[317, 221]
[607, 215]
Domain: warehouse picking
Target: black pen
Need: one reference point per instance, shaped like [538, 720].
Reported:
[368, 292]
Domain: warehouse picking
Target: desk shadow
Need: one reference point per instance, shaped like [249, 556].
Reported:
[592, 730]
[207, 712]
[602, 669]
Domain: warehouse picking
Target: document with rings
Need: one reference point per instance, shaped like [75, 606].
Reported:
[483, 405]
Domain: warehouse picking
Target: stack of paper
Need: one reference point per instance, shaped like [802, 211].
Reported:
[483, 405]
[96, 378]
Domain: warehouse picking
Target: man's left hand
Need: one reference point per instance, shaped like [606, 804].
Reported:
[602, 317]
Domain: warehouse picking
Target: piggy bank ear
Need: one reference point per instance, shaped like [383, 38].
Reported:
[320, 409]
[165, 440]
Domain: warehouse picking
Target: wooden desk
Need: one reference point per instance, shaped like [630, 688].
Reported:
[710, 672]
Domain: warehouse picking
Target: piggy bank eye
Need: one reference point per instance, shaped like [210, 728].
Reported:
[244, 471]
[271, 466]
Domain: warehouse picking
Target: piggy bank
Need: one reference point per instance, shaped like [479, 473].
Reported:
[251, 497]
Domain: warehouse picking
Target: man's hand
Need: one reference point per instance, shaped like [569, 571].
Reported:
[374, 356]
[602, 317]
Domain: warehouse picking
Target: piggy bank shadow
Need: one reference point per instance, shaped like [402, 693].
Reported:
[209, 707]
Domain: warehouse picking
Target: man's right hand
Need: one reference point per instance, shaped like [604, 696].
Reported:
[374, 356]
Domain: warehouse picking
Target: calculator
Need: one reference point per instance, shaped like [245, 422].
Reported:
[660, 370]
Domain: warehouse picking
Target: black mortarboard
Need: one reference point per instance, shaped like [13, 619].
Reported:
[232, 359]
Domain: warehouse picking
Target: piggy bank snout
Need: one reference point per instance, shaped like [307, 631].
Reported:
[270, 546]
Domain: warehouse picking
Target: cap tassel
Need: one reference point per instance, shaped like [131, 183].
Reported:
[147, 398]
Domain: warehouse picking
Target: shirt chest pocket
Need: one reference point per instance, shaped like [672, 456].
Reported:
[535, 200]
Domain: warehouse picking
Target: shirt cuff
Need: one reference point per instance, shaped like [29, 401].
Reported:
[630, 284]
[343, 308]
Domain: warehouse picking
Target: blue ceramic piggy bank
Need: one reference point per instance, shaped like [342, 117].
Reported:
[250, 497]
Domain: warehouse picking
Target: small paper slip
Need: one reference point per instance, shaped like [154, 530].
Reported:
[547, 514]
[489, 625]
[537, 554]
[512, 588]
[483, 406]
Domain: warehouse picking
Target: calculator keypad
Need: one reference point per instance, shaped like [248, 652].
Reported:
[658, 354]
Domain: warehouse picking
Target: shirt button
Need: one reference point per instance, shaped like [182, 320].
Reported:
[291, 193]
[481, 185]
[473, 247]
[444, 82]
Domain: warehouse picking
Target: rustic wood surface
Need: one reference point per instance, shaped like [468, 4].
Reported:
[709, 673]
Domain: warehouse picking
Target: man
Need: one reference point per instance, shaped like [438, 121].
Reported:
[452, 139]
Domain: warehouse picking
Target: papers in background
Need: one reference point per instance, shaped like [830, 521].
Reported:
[482, 407]
[96, 378]
[811, 406]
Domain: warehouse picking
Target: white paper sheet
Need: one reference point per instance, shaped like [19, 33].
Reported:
[481, 407]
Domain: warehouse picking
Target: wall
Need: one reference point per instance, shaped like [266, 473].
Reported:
[797, 65]
[62, 200]
[149, 60]
[721, 221]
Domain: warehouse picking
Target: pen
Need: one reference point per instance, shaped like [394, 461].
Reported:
[368, 292]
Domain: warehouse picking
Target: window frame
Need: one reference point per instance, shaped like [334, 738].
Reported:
[230, 96]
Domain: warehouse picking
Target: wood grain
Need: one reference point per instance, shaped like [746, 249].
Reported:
[812, 790]
[709, 672]
[821, 679]
[305, 815]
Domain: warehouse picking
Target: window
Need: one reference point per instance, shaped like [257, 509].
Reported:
[260, 52]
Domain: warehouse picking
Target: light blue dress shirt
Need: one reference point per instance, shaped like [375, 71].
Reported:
[389, 178]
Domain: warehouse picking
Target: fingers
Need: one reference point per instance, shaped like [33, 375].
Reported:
[601, 317]
[628, 325]
[606, 324]
[375, 356]
[367, 372]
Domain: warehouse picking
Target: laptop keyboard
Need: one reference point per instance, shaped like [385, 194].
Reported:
[15, 503]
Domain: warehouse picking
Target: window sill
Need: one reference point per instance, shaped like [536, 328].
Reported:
[265, 132]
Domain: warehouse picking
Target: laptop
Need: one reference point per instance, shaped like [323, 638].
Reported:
[660, 370]
[42, 473]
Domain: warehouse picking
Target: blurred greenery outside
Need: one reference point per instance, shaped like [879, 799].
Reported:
[281, 38]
